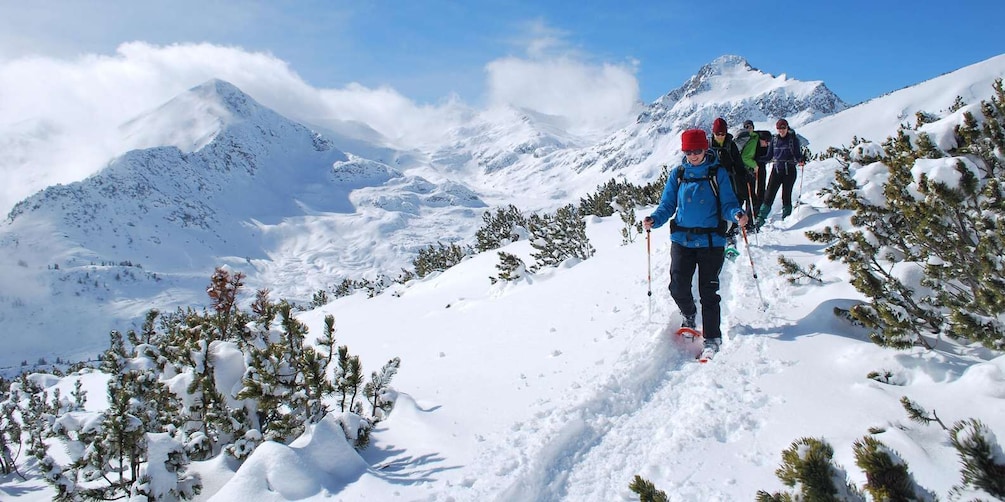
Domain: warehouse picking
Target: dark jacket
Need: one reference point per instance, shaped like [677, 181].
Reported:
[730, 158]
[692, 204]
[784, 152]
[762, 151]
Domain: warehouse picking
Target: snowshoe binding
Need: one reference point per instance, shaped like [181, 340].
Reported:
[688, 328]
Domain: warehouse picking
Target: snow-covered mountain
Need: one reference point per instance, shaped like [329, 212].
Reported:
[732, 89]
[232, 183]
[218, 179]
[503, 147]
[728, 87]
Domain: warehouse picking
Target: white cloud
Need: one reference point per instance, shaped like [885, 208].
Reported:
[592, 97]
[557, 79]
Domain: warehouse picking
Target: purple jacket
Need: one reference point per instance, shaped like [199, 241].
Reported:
[784, 152]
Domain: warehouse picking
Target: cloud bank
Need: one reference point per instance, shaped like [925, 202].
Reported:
[60, 118]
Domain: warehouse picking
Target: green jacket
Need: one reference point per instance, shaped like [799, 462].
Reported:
[747, 142]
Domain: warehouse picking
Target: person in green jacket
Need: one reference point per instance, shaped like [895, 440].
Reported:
[749, 142]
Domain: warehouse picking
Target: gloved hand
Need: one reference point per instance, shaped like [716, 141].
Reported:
[647, 222]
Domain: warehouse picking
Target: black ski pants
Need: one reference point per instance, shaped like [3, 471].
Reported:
[784, 178]
[761, 180]
[708, 261]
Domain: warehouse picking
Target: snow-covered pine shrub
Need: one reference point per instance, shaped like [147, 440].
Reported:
[600, 202]
[808, 467]
[10, 429]
[886, 474]
[928, 253]
[377, 391]
[504, 226]
[437, 258]
[632, 226]
[558, 237]
[110, 452]
[510, 268]
[286, 379]
[982, 458]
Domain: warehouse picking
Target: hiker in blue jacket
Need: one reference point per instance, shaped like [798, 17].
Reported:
[699, 203]
[784, 153]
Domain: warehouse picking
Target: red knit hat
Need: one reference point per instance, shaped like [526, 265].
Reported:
[782, 122]
[693, 139]
[719, 125]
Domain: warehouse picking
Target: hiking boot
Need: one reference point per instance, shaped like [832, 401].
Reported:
[763, 213]
[786, 210]
[713, 344]
[689, 321]
[731, 253]
[710, 349]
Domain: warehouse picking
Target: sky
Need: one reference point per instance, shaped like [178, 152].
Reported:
[432, 50]
[564, 385]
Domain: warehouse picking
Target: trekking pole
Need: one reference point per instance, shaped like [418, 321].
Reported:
[802, 173]
[753, 211]
[649, 276]
[764, 304]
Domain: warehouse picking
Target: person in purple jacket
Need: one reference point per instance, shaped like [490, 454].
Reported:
[784, 153]
[699, 203]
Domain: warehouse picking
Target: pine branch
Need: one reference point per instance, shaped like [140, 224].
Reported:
[646, 490]
[792, 269]
[919, 414]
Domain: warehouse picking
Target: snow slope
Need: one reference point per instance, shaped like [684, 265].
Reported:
[565, 385]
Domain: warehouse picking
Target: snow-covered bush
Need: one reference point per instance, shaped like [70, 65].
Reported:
[928, 235]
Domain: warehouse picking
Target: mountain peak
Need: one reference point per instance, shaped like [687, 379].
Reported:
[726, 64]
[233, 100]
[722, 67]
[194, 118]
[731, 88]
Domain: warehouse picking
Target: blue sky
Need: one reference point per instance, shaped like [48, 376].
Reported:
[429, 49]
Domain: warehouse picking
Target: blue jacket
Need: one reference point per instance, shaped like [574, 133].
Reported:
[692, 204]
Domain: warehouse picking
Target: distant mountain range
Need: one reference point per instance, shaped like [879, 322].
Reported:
[223, 180]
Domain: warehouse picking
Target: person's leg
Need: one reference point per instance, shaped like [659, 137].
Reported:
[709, 265]
[774, 182]
[745, 196]
[788, 181]
[683, 261]
[762, 181]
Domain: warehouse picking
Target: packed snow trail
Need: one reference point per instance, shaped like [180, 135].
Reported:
[648, 413]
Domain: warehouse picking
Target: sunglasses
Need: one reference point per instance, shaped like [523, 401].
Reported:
[693, 152]
[718, 134]
[782, 128]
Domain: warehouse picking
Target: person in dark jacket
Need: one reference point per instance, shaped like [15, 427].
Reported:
[761, 176]
[785, 154]
[730, 158]
[697, 199]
